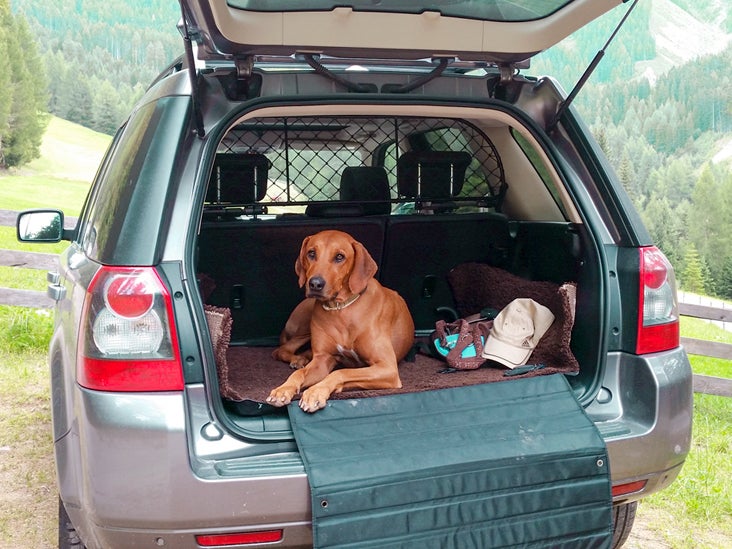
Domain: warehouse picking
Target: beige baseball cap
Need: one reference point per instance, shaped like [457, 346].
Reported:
[516, 331]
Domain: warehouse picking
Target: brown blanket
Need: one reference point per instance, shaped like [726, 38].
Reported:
[250, 373]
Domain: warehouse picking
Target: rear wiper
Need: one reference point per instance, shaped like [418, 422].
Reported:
[588, 72]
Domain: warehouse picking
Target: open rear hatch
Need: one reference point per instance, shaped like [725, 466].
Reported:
[496, 31]
[493, 463]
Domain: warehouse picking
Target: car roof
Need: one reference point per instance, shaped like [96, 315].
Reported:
[497, 31]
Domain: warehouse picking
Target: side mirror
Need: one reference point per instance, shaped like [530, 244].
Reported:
[40, 226]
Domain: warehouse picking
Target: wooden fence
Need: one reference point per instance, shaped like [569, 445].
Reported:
[702, 384]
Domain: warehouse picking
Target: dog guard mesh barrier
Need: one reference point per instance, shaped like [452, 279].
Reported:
[307, 155]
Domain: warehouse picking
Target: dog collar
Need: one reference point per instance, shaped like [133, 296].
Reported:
[338, 305]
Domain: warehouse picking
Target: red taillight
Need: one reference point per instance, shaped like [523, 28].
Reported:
[128, 340]
[629, 488]
[240, 538]
[658, 317]
[130, 296]
[654, 268]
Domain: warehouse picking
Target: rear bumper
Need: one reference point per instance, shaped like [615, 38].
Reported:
[136, 481]
[137, 487]
[644, 411]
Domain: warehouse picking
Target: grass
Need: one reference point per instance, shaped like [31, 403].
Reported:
[700, 329]
[696, 510]
[70, 151]
[23, 279]
[8, 241]
[38, 189]
[28, 499]
[697, 507]
[60, 179]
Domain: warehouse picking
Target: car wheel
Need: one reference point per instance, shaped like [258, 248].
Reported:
[623, 518]
[67, 536]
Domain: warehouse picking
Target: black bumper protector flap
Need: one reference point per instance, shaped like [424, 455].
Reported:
[495, 465]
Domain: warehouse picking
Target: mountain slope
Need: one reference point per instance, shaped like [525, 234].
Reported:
[680, 37]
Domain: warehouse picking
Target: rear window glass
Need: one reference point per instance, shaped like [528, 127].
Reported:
[130, 193]
[535, 159]
[491, 10]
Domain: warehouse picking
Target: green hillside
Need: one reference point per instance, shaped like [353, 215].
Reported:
[69, 151]
[60, 178]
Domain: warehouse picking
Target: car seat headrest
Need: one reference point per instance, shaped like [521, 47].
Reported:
[238, 178]
[431, 175]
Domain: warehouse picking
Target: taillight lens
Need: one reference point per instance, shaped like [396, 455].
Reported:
[658, 315]
[240, 538]
[629, 488]
[130, 296]
[128, 340]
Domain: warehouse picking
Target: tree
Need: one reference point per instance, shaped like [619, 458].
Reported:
[5, 78]
[23, 111]
[86, 43]
[625, 174]
[107, 116]
[80, 107]
[724, 284]
[667, 225]
[692, 279]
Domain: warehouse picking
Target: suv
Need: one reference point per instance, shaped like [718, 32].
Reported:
[470, 183]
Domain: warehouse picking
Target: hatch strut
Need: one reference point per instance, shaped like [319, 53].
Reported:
[193, 75]
[588, 72]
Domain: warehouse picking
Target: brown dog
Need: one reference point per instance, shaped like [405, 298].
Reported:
[349, 319]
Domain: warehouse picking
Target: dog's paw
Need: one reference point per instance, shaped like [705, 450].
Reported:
[314, 399]
[298, 362]
[281, 396]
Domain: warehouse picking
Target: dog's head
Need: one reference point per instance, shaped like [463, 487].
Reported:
[332, 264]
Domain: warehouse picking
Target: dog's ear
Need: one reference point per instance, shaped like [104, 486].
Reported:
[299, 262]
[364, 268]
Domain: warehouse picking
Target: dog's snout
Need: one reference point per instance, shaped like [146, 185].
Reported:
[316, 284]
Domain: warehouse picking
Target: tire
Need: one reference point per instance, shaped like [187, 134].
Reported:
[67, 536]
[623, 519]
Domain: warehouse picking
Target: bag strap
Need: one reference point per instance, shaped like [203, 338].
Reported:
[469, 334]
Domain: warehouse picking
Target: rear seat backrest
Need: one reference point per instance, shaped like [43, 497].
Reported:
[253, 266]
[420, 250]
[414, 253]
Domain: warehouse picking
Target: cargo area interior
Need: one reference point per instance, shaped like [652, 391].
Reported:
[455, 224]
